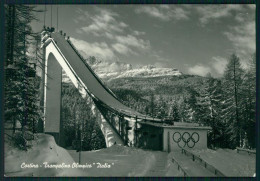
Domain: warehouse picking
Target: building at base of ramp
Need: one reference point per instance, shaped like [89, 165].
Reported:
[165, 137]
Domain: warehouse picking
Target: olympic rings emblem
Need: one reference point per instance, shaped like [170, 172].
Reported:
[186, 139]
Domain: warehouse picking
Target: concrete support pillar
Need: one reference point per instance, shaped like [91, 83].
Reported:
[40, 128]
[53, 124]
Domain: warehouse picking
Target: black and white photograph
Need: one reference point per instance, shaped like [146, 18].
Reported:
[129, 90]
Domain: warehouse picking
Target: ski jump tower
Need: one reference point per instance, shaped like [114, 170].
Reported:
[61, 54]
[119, 123]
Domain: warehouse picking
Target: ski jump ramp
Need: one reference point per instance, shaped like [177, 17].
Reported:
[61, 54]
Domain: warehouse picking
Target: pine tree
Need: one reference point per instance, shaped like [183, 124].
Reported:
[20, 91]
[191, 105]
[249, 102]
[152, 105]
[175, 113]
[161, 108]
[184, 110]
[79, 121]
[202, 105]
[214, 89]
[232, 90]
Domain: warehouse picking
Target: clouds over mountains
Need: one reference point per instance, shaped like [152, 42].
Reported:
[112, 70]
[113, 38]
[107, 70]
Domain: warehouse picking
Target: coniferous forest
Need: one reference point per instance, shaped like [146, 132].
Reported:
[22, 111]
[227, 104]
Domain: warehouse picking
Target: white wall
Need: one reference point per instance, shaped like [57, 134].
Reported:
[177, 131]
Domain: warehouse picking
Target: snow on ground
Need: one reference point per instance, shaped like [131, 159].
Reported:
[229, 162]
[190, 167]
[122, 160]
[116, 161]
[44, 149]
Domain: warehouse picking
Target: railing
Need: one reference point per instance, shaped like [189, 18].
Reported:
[246, 150]
[202, 162]
[185, 174]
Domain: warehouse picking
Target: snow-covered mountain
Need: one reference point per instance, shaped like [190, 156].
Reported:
[107, 70]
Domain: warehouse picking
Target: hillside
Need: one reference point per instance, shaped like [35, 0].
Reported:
[167, 85]
[148, 89]
[158, 92]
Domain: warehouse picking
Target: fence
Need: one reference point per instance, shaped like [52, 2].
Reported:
[180, 168]
[203, 162]
[246, 150]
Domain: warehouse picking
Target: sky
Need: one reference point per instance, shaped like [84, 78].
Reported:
[196, 39]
